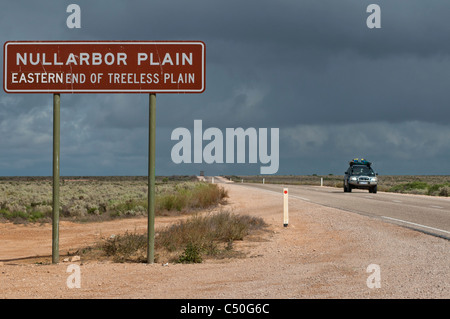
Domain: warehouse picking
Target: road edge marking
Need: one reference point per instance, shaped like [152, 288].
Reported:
[419, 225]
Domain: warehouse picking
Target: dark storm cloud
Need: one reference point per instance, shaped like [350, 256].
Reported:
[311, 68]
[316, 59]
[408, 27]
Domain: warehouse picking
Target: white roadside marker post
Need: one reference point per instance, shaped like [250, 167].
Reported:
[321, 181]
[285, 208]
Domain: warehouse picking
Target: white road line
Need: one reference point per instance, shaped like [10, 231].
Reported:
[397, 201]
[278, 193]
[434, 206]
[406, 222]
[302, 198]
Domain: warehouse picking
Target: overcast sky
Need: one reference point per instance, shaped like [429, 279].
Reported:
[335, 88]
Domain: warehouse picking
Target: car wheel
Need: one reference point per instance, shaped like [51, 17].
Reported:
[374, 189]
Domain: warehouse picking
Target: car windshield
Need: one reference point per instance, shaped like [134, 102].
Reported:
[362, 170]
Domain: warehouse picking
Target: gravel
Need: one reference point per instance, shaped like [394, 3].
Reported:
[323, 253]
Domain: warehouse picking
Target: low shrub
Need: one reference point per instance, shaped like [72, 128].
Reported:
[86, 200]
[445, 191]
[127, 247]
[20, 216]
[418, 187]
[194, 196]
[191, 254]
[188, 241]
[407, 187]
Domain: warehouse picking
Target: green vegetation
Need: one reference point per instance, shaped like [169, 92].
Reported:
[121, 248]
[188, 241]
[102, 198]
[187, 196]
[422, 188]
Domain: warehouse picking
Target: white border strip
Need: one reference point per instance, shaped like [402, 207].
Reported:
[106, 42]
[419, 225]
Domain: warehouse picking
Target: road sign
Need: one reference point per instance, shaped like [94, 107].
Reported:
[104, 67]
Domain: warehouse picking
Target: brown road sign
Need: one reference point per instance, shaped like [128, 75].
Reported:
[104, 67]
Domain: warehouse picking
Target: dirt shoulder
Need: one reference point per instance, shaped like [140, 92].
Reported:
[323, 253]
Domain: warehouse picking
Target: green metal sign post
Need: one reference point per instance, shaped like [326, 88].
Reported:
[151, 179]
[56, 147]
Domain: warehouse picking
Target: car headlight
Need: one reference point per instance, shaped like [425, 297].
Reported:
[353, 178]
[373, 179]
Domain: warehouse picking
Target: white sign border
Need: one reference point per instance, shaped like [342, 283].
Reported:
[103, 42]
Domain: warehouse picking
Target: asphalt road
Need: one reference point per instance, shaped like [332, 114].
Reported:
[427, 214]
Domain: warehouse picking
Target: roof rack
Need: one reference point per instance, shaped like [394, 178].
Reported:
[359, 161]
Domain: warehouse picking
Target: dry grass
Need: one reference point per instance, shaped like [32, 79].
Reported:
[188, 241]
[96, 199]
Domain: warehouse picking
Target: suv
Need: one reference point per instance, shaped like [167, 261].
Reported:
[360, 175]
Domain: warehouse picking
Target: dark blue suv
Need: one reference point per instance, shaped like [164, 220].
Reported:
[360, 175]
